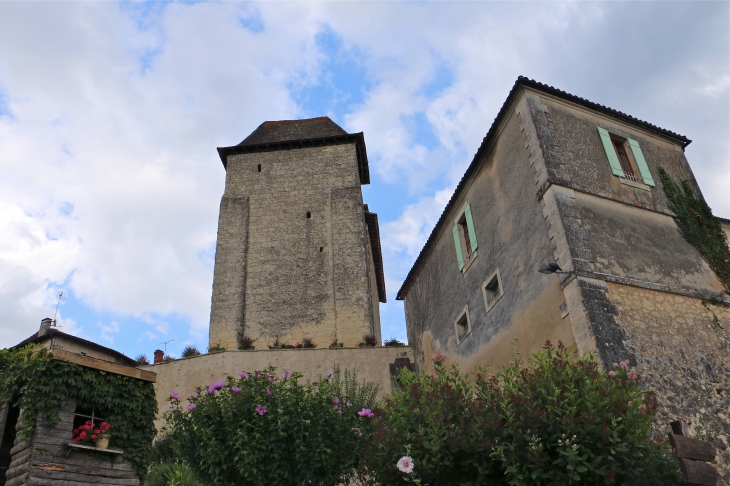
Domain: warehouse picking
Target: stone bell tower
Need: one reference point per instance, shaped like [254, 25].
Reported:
[298, 253]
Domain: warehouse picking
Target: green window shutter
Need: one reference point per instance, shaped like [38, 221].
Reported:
[610, 152]
[457, 243]
[641, 162]
[470, 227]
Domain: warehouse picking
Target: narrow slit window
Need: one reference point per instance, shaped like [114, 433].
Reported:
[309, 214]
[623, 159]
[259, 168]
[321, 249]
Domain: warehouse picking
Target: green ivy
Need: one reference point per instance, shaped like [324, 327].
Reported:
[698, 226]
[32, 380]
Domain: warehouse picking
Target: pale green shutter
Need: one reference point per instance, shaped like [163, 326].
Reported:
[610, 152]
[457, 243]
[641, 162]
[470, 227]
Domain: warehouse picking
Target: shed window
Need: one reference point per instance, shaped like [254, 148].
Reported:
[83, 415]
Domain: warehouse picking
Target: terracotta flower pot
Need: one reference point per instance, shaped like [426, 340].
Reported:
[102, 443]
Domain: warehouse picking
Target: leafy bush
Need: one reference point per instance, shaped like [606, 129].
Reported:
[216, 347]
[189, 351]
[561, 420]
[393, 343]
[368, 340]
[306, 343]
[245, 342]
[173, 474]
[265, 429]
[141, 359]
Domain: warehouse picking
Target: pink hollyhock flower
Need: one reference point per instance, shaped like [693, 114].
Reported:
[335, 400]
[192, 406]
[243, 375]
[405, 464]
[366, 412]
[272, 378]
[438, 356]
[235, 389]
[216, 385]
[262, 409]
[269, 392]
[174, 395]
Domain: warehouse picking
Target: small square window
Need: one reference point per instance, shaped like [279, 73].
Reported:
[462, 326]
[492, 290]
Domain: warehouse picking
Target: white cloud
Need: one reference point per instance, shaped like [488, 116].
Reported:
[108, 330]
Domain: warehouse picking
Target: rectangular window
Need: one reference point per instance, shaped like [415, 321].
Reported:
[492, 290]
[83, 415]
[462, 326]
[465, 238]
[625, 158]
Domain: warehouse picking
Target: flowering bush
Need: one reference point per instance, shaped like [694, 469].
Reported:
[261, 428]
[89, 432]
[368, 340]
[559, 420]
[306, 343]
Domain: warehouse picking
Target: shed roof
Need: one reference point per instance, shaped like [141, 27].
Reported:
[522, 82]
[35, 338]
[293, 134]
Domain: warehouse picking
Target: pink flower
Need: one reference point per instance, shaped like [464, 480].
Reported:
[632, 375]
[611, 374]
[243, 375]
[366, 412]
[625, 365]
[235, 389]
[438, 357]
[192, 406]
[216, 385]
[359, 432]
[405, 464]
[269, 392]
[335, 400]
[511, 363]
[174, 395]
[286, 374]
[262, 409]
[615, 365]
[272, 378]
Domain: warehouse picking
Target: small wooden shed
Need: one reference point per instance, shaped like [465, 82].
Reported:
[51, 457]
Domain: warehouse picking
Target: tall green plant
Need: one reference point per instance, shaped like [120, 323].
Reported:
[35, 382]
[559, 420]
[698, 225]
[266, 429]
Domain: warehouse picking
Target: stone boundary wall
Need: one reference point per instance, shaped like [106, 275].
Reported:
[184, 375]
[681, 349]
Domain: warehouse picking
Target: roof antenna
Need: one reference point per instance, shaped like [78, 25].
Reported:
[54, 315]
[165, 343]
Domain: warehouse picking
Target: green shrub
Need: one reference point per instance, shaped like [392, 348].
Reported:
[174, 474]
[264, 429]
[189, 351]
[561, 420]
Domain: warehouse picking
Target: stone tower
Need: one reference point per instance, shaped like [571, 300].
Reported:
[298, 253]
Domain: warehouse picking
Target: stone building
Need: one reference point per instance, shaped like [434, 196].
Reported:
[559, 179]
[298, 254]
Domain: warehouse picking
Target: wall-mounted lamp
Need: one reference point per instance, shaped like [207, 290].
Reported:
[550, 268]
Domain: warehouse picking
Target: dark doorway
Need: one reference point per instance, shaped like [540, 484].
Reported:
[8, 439]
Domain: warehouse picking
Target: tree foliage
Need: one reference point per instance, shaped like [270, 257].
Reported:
[35, 382]
[559, 420]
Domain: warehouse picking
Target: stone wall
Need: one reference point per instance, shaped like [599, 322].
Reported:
[292, 259]
[184, 375]
[681, 348]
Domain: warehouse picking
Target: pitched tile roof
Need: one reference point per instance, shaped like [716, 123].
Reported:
[293, 134]
[521, 82]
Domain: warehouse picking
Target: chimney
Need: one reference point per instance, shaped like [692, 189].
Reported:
[45, 326]
[159, 354]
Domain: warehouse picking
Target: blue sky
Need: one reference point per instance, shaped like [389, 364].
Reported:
[110, 114]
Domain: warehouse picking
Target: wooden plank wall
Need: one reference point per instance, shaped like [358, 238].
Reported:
[46, 464]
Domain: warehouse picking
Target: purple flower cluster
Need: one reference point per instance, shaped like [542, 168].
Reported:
[174, 395]
[262, 409]
[216, 385]
[366, 412]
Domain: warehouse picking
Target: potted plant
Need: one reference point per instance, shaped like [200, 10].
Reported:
[89, 434]
[335, 344]
[368, 340]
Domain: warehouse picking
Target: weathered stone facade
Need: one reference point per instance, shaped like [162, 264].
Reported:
[294, 256]
[543, 188]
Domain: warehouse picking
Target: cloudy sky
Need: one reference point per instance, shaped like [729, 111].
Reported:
[110, 114]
